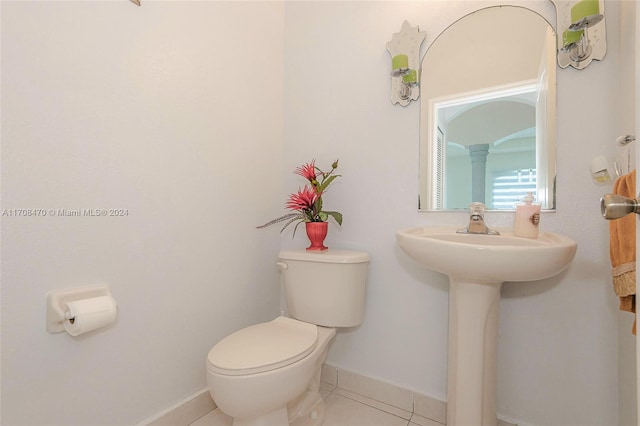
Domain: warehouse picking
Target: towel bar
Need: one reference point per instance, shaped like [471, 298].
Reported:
[615, 206]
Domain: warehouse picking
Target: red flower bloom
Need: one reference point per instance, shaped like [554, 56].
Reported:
[308, 171]
[304, 199]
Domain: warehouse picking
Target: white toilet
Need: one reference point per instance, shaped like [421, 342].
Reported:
[268, 374]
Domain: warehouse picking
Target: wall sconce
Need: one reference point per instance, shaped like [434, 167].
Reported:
[404, 49]
[408, 77]
[583, 38]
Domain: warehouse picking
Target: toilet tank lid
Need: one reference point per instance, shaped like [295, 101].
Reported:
[328, 256]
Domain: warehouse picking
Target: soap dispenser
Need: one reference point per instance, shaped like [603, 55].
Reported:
[527, 218]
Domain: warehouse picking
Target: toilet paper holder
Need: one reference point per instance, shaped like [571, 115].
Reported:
[56, 300]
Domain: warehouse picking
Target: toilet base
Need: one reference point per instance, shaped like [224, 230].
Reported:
[310, 411]
[278, 417]
[308, 408]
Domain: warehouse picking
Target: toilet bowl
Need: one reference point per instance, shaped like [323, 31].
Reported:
[255, 386]
[268, 374]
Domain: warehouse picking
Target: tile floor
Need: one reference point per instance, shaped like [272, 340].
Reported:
[343, 408]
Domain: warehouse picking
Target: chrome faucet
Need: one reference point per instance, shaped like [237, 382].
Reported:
[476, 221]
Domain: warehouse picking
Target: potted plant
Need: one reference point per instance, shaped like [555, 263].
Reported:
[306, 205]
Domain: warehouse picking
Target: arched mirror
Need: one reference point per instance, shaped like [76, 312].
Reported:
[488, 108]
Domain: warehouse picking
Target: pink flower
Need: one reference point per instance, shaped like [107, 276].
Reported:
[308, 171]
[304, 199]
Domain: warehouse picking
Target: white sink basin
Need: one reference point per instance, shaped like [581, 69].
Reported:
[487, 258]
[477, 265]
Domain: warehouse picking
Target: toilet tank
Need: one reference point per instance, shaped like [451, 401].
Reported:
[325, 288]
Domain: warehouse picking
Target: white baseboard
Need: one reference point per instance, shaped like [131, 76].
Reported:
[387, 397]
[420, 409]
[184, 412]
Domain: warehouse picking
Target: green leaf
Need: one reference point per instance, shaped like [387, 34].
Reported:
[317, 206]
[326, 183]
[337, 216]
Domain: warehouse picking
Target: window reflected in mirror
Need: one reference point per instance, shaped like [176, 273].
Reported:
[486, 148]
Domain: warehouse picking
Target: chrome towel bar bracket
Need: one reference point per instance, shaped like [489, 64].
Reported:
[625, 140]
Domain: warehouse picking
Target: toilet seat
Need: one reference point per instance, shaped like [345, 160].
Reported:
[263, 347]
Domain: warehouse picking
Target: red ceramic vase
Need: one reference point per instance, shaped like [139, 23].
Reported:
[317, 232]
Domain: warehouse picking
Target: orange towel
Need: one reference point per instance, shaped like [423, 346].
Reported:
[622, 244]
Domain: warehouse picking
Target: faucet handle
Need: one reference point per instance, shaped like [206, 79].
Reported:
[477, 208]
[476, 221]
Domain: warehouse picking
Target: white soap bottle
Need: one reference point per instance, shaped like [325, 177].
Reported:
[527, 218]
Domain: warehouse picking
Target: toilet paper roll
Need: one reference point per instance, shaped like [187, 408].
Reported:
[88, 314]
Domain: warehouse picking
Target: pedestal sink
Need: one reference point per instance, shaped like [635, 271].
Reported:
[477, 265]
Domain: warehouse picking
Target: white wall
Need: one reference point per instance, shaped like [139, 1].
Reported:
[174, 112]
[558, 350]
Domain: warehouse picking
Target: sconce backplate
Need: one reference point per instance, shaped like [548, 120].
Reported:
[407, 42]
[574, 49]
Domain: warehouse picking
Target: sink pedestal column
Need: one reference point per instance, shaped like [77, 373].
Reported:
[473, 338]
